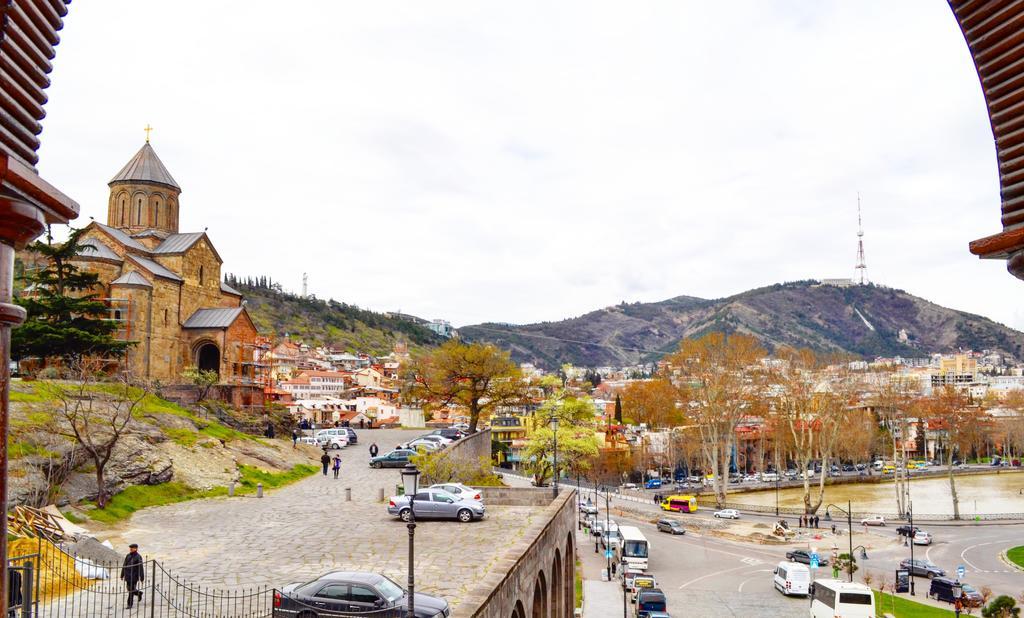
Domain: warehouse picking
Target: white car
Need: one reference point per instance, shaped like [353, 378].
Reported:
[430, 445]
[922, 538]
[441, 440]
[310, 440]
[727, 514]
[460, 491]
[874, 520]
[336, 437]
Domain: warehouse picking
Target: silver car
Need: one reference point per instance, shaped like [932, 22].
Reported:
[436, 504]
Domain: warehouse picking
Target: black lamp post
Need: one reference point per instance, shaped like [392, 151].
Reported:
[849, 522]
[410, 484]
[910, 515]
[553, 421]
[776, 493]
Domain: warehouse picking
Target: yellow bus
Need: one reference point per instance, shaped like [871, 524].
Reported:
[679, 504]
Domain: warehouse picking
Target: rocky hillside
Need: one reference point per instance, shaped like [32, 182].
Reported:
[175, 452]
[863, 320]
[329, 322]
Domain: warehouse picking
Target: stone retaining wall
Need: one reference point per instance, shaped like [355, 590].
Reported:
[536, 574]
[471, 448]
[515, 496]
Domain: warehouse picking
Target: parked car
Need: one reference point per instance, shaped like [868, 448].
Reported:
[611, 539]
[672, 526]
[459, 491]
[803, 556]
[394, 459]
[441, 440]
[588, 508]
[352, 437]
[873, 520]
[652, 484]
[907, 530]
[922, 568]
[335, 438]
[941, 589]
[922, 538]
[431, 446]
[451, 434]
[649, 602]
[351, 592]
[598, 528]
[629, 485]
[436, 504]
[310, 440]
[638, 583]
[849, 468]
[770, 477]
[463, 427]
[727, 514]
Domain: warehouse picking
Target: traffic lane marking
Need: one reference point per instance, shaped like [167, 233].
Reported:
[744, 582]
[704, 545]
[716, 573]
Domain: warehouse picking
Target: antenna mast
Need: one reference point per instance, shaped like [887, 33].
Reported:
[305, 285]
[862, 267]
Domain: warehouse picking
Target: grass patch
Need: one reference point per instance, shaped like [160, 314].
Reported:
[903, 608]
[184, 437]
[579, 583]
[26, 394]
[16, 450]
[138, 497]
[252, 475]
[1016, 555]
[70, 516]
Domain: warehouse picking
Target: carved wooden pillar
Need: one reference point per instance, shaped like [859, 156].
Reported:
[28, 35]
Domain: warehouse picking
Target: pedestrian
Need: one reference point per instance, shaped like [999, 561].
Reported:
[325, 460]
[133, 572]
[362, 423]
[337, 465]
[295, 438]
[833, 529]
[374, 450]
[815, 521]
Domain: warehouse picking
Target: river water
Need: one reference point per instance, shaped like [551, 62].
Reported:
[982, 493]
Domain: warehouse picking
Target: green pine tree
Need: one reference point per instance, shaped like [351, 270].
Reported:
[65, 316]
[618, 410]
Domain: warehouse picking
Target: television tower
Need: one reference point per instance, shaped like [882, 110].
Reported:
[862, 267]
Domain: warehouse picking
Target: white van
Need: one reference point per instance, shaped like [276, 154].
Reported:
[336, 437]
[792, 578]
[831, 597]
[878, 465]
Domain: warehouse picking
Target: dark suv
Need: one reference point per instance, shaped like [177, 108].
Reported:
[649, 601]
[941, 589]
[922, 568]
[906, 530]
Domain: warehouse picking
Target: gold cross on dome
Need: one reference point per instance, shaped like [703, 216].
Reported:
[147, 130]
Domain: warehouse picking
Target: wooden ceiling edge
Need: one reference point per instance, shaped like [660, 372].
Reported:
[58, 207]
[998, 246]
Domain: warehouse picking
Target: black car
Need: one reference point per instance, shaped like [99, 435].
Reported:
[848, 468]
[451, 434]
[906, 530]
[922, 568]
[804, 556]
[672, 526]
[348, 592]
[941, 589]
[352, 437]
[648, 601]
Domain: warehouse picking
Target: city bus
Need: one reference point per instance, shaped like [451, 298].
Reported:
[633, 550]
[680, 504]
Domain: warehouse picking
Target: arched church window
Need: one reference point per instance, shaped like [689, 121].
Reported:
[117, 314]
[138, 214]
[200, 274]
[156, 214]
[165, 317]
[122, 212]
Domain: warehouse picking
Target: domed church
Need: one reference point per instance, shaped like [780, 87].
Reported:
[164, 287]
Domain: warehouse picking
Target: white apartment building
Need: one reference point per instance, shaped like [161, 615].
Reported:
[316, 384]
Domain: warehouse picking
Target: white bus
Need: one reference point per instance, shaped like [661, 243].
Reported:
[633, 548]
[831, 597]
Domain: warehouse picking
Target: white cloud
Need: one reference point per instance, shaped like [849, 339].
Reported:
[531, 160]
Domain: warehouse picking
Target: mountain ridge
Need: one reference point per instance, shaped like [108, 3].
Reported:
[864, 321]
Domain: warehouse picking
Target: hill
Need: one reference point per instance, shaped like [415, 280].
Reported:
[861, 320]
[329, 322]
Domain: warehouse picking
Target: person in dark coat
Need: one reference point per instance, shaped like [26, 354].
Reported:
[337, 465]
[295, 438]
[325, 461]
[374, 450]
[133, 573]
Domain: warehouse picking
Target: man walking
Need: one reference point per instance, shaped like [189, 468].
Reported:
[325, 461]
[295, 438]
[374, 450]
[133, 572]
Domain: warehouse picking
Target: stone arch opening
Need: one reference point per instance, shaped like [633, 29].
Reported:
[208, 357]
[519, 611]
[540, 597]
[556, 585]
[569, 581]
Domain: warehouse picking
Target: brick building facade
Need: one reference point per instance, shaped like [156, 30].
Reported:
[164, 288]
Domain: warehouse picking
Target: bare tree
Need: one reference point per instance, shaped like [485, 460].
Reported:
[95, 415]
[894, 403]
[959, 422]
[715, 376]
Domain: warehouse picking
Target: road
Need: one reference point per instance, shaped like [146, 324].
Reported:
[732, 578]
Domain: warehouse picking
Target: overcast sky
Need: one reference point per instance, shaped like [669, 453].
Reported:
[526, 161]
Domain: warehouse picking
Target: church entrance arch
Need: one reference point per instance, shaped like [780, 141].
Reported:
[208, 357]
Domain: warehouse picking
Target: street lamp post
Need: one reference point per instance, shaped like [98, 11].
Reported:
[553, 421]
[410, 484]
[849, 523]
[776, 493]
[579, 498]
[910, 515]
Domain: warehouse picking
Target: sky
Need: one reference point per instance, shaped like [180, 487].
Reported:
[533, 160]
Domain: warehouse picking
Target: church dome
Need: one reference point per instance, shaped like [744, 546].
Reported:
[145, 167]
